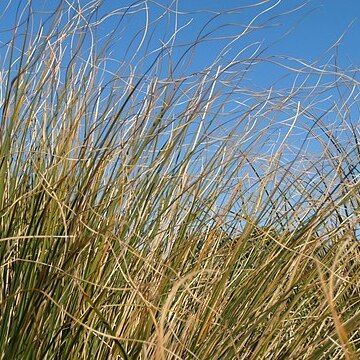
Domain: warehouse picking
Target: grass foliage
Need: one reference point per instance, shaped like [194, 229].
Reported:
[153, 210]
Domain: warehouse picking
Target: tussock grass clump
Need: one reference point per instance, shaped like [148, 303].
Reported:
[152, 210]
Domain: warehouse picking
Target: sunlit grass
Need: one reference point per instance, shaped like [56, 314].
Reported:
[151, 212]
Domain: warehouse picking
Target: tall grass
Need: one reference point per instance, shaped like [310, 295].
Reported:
[151, 210]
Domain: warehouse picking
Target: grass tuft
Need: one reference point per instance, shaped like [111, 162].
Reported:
[153, 210]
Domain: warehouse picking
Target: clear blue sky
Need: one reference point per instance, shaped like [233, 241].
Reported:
[306, 34]
[316, 26]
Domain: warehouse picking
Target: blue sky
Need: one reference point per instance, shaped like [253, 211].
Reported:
[317, 25]
[307, 34]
